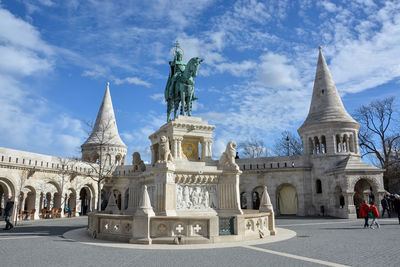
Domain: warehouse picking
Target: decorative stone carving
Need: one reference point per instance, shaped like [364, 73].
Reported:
[196, 197]
[137, 162]
[164, 151]
[227, 160]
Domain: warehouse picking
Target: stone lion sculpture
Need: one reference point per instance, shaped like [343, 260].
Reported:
[137, 162]
[227, 160]
[164, 151]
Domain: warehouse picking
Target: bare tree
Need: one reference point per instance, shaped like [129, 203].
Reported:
[288, 144]
[65, 175]
[101, 167]
[379, 134]
[253, 148]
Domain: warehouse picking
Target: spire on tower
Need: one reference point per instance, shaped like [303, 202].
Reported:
[326, 104]
[105, 125]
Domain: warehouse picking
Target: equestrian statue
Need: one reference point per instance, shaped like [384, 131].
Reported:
[180, 85]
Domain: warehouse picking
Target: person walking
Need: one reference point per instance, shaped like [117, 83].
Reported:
[385, 206]
[373, 213]
[364, 213]
[7, 213]
[397, 206]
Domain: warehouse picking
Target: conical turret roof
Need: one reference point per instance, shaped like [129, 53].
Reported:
[326, 104]
[105, 129]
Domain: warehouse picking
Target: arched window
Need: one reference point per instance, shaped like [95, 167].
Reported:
[317, 145]
[345, 142]
[338, 144]
[323, 144]
[318, 186]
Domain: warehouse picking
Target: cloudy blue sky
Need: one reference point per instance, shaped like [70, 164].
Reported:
[256, 80]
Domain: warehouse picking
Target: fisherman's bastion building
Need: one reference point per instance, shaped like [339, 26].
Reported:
[328, 180]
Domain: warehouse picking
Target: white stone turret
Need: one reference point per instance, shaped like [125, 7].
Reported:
[328, 128]
[104, 139]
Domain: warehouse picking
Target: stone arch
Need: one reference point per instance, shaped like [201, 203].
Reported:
[7, 187]
[30, 198]
[71, 199]
[338, 144]
[108, 159]
[345, 143]
[118, 159]
[317, 145]
[366, 189]
[323, 144]
[256, 195]
[287, 199]
[85, 199]
[118, 198]
[339, 197]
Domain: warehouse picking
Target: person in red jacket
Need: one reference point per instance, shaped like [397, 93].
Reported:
[364, 213]
[373, 213]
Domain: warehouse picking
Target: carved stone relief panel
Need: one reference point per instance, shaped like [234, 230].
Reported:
[196, 197]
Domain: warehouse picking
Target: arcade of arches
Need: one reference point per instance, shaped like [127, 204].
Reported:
[44, 199]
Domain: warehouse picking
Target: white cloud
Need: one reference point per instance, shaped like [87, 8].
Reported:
[132, 80]
[277, 72]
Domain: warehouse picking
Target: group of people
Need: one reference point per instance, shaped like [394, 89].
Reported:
[389, 204]
[369, 212]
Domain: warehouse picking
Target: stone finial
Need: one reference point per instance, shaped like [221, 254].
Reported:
[265, 204]
[145, 209]
[108, 85]
[320, 48]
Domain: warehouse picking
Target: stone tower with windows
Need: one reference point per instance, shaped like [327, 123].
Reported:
[104, 142]
[328, 128]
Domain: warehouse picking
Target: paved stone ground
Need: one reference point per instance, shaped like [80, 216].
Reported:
[319, 242]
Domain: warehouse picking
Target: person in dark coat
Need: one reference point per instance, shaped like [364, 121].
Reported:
[385, 206]
[7, 213]
[364, 213]
[397, 207]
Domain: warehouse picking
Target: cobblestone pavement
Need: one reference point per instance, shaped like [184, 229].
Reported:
[319, 242]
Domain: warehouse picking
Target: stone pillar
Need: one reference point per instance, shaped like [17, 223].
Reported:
[209, 146]
[165, 189]
[356, 148]
[203, 149]
[228, 193]
[179, 154]
[349, 205]
[175, 147]
[249, 199]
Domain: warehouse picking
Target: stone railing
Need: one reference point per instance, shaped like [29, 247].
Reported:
[28, 160]
[270, 163]
[110, 227]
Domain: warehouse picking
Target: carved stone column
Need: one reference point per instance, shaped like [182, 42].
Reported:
[175, 147]
[179, 150]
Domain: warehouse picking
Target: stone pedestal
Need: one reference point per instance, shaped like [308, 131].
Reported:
[228, 193]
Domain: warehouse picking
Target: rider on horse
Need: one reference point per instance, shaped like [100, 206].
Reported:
[177, 68]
